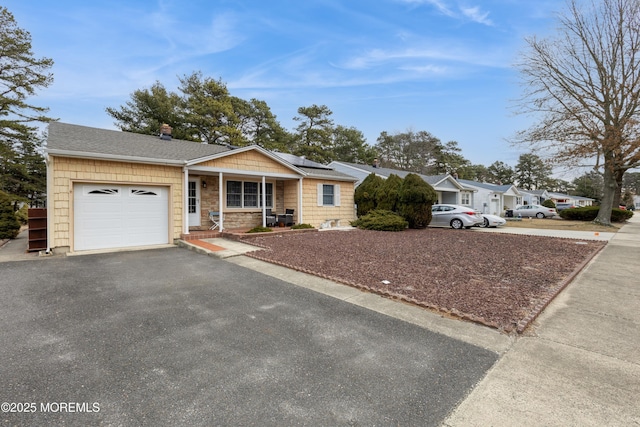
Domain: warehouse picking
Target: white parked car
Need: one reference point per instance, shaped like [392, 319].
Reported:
[492, 221]
[454, 216]
[529, 211]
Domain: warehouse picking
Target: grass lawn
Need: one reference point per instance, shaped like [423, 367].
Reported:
[562, 224]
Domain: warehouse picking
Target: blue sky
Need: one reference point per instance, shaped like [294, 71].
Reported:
[443, 66]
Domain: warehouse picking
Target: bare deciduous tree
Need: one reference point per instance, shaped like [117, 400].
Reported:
[584, 85]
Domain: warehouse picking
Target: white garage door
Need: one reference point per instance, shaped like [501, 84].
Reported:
[115, 216]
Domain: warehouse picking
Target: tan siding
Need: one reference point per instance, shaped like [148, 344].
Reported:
[67, 170]
[248, 161]
[316, 215]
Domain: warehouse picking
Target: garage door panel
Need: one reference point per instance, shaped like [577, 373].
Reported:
[112, 216]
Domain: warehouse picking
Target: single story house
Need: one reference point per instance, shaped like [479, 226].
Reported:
[577, 201]
[491, 198]
[534, 197]
[448, 189]
[110, 189]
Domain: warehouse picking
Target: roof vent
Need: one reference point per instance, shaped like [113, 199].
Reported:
[165, 132]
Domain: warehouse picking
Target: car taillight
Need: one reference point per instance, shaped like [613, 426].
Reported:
[470, 213]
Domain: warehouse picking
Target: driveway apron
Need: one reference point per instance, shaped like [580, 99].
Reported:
[172, 337]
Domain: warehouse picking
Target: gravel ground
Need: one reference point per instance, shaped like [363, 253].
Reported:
[499, 280]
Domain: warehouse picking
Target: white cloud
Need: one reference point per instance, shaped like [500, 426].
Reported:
[476, 15]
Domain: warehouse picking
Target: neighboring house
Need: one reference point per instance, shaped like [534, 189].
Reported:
[636, 202]
[448, 189]
[493, 199]
[533, 197]
[111, 189]
[577, 201]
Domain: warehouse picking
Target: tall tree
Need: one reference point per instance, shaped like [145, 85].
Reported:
[148, 109]
[258, 125]
[477, 173]
[409, 151]
[589, 185]
[449, 159]
[501, 173]
[314, 133]
[21, 75]
[631, 182]
[209, 113]
[584, 84]
[531, 172]
[350, 145]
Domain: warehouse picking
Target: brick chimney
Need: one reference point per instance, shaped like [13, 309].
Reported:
[165, 132]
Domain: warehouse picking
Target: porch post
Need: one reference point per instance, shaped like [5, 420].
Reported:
[185, 201]
[300, 201]
[263, 196]
[220, 199]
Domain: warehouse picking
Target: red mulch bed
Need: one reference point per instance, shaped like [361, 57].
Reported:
[500, 280]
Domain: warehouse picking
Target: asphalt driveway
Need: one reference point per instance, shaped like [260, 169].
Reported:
[172, 337]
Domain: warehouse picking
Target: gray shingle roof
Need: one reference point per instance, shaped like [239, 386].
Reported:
[64, 137]
[84, 141]
[486, 185]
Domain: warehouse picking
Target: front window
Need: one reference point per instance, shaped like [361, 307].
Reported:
[248, 194]
[327, 195]
[465, 198]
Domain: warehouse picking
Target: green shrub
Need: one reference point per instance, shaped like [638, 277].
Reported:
[589, 213]
[620, 215]
[23, 215]
[388, 194]
[416, 198]
[9, 224]
[259, 230]
[365, 194]
[301, 226]
[381, 220]
[548, 203]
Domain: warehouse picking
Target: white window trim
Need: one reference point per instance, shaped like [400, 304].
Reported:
[336, 195]
[242, 205]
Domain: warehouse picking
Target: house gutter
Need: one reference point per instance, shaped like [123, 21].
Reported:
[115, 157]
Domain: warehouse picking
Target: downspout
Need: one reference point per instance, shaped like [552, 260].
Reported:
[185, 200]
[220, 199]
[264, 201]
[300, 200]
[50, 208]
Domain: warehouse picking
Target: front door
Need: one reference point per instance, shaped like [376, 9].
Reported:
[193, 202]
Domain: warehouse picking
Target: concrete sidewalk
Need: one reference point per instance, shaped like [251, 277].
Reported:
[582, 366]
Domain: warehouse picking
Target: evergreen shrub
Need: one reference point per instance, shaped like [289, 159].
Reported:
[589, 213]
[415, 201]
[381, 220]
[9, 224]
[365, 194]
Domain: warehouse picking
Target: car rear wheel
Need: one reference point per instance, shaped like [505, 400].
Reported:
[456, 224]
[485, 223]
[540, 215]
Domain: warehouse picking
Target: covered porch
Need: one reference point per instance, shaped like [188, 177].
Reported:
[241, 201]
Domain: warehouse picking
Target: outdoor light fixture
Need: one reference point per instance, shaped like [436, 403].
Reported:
[204, 184]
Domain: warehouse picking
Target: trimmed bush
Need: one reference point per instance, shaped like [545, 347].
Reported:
[589, 213]
[9, 224]
[365, 194]
[381, 220]
[260, 230]
[388, 194]
[415, 201]
[301, 226]
[548, 203]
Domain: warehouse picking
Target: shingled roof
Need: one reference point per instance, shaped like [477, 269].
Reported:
[80, 141]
